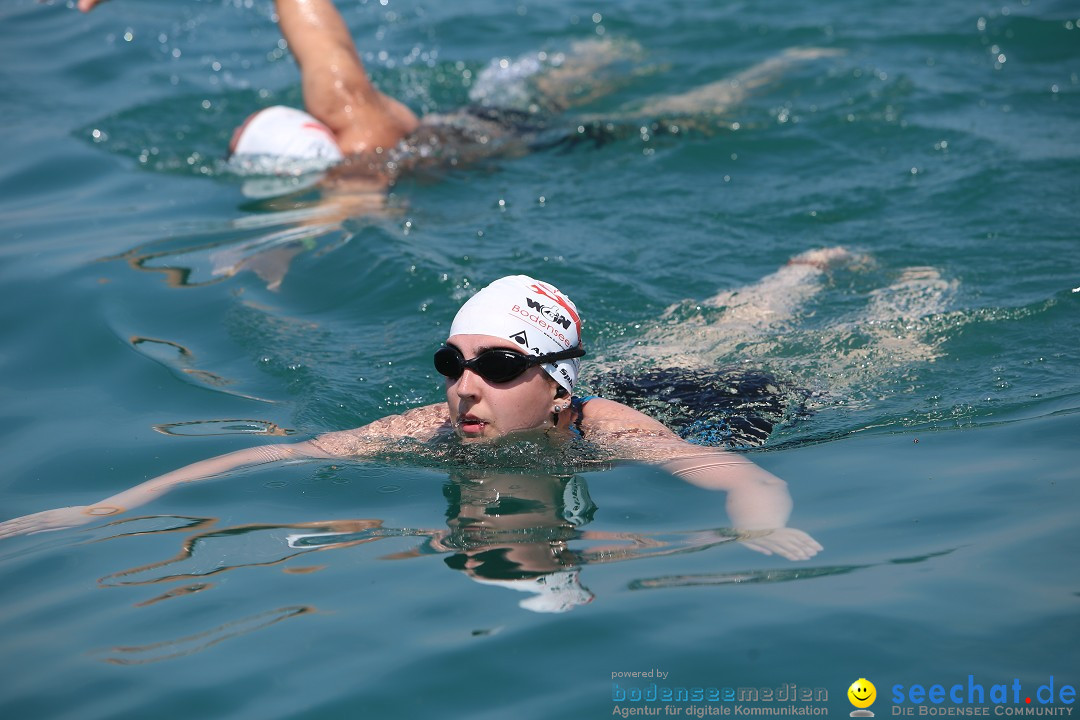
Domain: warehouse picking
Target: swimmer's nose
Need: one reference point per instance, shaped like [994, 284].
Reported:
[464, 385]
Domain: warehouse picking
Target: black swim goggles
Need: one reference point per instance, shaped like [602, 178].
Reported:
[497, 365]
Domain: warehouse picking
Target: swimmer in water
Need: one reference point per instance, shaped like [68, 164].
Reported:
[369, 137]
[355, 141]
[511, 362]
[372, 138]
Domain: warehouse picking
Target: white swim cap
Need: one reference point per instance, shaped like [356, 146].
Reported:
[533, 314]
[281, 131]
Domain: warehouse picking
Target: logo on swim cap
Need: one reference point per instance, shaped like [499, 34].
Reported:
[555, 315]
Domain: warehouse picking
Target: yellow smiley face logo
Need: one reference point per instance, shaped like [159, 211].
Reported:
[862, 693]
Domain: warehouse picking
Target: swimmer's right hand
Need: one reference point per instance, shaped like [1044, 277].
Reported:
[790, 543]
[57, 519]
[88, 5]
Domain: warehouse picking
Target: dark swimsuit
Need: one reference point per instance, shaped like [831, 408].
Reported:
[734, 409]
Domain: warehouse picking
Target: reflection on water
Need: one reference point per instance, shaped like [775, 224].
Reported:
[222, 427]
[264, 245]
[175, 593]
[522, 532]
[769, 576]
[179, 358]
[203, 554]
[190, 644]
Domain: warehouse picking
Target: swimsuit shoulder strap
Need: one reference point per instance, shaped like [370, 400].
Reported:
[578, 406]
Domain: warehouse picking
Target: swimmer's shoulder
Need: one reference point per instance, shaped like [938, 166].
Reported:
[423, 423]
[600, 417]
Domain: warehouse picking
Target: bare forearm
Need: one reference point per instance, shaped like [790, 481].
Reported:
[74, 516]
[313, 28]
[202, 470]
[757, 499]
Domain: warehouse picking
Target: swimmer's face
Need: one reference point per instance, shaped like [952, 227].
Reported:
[483, 410]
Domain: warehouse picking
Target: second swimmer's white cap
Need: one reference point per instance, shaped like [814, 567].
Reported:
[533, 314]
[286, 132]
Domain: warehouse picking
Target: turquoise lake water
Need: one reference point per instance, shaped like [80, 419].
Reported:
[937, 462]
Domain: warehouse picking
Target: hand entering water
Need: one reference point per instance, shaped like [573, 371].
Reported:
[787, 542]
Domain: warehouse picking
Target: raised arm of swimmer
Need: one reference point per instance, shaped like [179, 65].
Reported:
[337, 90]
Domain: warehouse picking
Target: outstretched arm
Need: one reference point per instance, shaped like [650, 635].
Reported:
[337, 89]
[420, 423]
[141, 494]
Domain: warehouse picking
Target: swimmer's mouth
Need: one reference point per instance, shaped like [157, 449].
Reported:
[471, 425]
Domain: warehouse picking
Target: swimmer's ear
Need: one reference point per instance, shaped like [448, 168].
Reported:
[561, 392]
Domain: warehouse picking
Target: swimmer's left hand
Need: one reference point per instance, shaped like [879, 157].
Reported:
[57, 519]
[786, 542]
